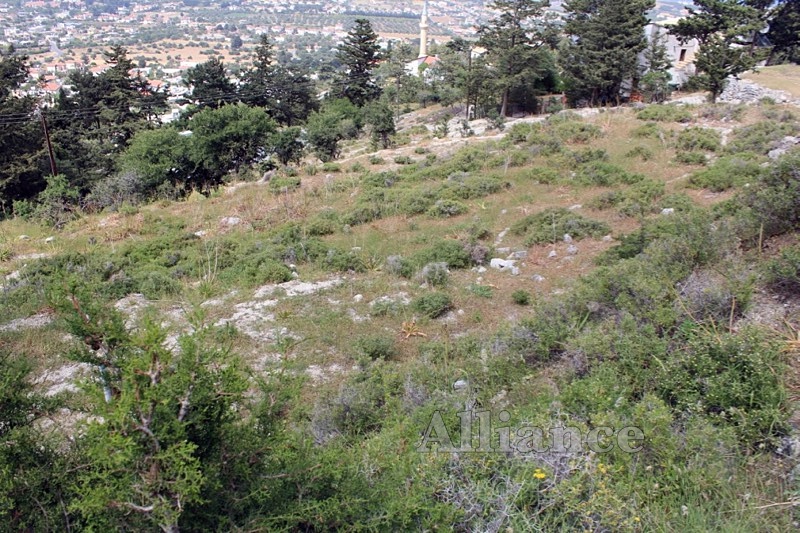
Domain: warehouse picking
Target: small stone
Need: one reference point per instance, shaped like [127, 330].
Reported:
[292, 267]
[574, 207]
[668, 211]
[504, 212]
[572, 249]
[480, 279]
[514, 271]
[503, 250]
[519, 254]
[50, 239]
[607, 238]
[358, 298]
[295, 275]
[461, 384]
[552, 254]
[567, 238]
[201, 233]
[355, 249]
[23, 237]
[481, 270]
[230, 221]
[537, 278]
[501, 264]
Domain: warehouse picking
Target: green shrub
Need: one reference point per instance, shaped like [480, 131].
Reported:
[157, 284]
[691, 158]
[449, 251]
[447, 209]
[521, 297]
[323, 223]
[760, 137]
[403, 160]
[432, 304]
[649, 130]
[576, 132]
[376, 160]
[725, 173]
[697, 138]
[665, 113]
[551, 224]
[376, 346]
[588, 155]
[774, 199]
[284, 184]
[733, 379]
[331, 167]
[420, 150]
[603, 174]
[641, 152]
[543, 175]
[783, 272]
[435, 274]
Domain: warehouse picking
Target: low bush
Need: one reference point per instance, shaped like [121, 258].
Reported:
[543, 175]
[783, 272]
[447, 209]
[691, 158]
[665, 113]
[432, 304]
[649, 130]
[761, 136]
[600, 173]
[726, 172]
[697, 138]
[521, 297]
[376, 346]
[435, 274]
[552, 223]
[640, 152]
[284, 184]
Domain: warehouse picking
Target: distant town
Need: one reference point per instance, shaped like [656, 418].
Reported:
[166, 38]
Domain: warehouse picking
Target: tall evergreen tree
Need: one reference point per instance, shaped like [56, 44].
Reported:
[21, 141]
[784, 32]
[359, 55]
[286, 91]
[95, 124]
[513, 40]
[725, 30]
[656, 77]
[210, 84]
[602, 52]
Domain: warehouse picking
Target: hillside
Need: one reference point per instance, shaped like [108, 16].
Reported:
[603, 268]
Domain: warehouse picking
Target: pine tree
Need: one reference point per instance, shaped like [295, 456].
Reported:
[602, 53]
[784, 32]
[359, 55]
[210, 84]
[22, 157]
[726, 32]
[656, 78]
[512, 40]
[287, 92]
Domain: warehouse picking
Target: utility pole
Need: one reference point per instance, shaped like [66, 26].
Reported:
[53, 168]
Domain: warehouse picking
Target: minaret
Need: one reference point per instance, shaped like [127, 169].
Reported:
[423, 31]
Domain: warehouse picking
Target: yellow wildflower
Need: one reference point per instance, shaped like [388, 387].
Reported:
[538, 474]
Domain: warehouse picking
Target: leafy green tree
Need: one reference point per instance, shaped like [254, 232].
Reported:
[228, 139]
[602, 51]
[513, 40]
[379, 117]
[463, 76]
[209, 84]
[722, 28]
[359, 54]
[94, 125]
[236, 42]
[158, 156]
[287, 145]
[336, 120]
[22, 156]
